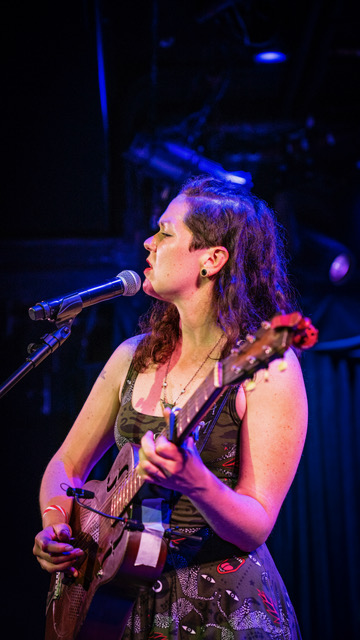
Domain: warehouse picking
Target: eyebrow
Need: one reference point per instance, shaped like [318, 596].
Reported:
[163, 222]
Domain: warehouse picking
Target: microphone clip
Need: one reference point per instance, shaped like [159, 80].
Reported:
[69, 308]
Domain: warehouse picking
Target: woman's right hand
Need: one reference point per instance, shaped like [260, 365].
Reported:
[54, 551]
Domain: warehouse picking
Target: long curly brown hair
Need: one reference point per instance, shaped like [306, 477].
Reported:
[251, 287]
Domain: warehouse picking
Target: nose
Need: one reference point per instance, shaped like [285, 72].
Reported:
[150, 244]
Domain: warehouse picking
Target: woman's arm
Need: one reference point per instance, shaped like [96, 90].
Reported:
[89, 438]
[272, 439]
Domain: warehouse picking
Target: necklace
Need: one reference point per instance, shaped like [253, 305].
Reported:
[171, 405]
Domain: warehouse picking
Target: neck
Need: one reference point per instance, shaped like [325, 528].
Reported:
[202, 336]
[198, 325]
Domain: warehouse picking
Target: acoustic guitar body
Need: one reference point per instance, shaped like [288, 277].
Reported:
[118, 560]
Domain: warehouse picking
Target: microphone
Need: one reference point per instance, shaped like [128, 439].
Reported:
[126, 283]
[80, 493]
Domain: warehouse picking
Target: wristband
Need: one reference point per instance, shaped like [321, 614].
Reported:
[55, 507]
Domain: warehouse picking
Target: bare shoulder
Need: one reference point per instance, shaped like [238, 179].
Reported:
[127, 348]
[282, 383]
[119, 362]
[273, 432]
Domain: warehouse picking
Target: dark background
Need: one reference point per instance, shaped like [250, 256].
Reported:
[92, 93]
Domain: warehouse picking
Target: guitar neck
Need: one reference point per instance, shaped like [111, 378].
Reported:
[198, 405]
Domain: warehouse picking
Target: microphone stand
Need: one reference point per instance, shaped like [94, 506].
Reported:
[69, 308]
[38, 352]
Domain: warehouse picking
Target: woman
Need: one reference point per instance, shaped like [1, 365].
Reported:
[216, 269]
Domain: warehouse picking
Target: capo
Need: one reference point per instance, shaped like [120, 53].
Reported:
[173, 414]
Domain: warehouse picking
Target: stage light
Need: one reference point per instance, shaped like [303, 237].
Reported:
[270, 57]
[339, 268]
[176, 162]
[325, 258]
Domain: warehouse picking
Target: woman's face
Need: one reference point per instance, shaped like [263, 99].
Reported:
[174, 271]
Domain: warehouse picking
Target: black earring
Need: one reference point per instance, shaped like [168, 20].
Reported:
[203, 272]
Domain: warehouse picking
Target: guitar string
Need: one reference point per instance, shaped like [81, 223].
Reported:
[115, 494]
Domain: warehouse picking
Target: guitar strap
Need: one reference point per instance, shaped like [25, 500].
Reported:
[207, 427]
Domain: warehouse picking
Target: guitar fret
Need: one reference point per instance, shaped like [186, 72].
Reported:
[129, 490]
[124, 493]
[133, 483]
[115, 509]
[194, 404]
[139, 481]
[118, 501]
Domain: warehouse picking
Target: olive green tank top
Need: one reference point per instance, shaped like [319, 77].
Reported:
[220, 442]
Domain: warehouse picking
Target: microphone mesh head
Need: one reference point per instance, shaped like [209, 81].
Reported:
[132, 282]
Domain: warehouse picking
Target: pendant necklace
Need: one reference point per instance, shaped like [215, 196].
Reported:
[171, 405]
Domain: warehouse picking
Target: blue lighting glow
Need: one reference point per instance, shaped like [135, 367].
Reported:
[270, 57]
[101, 72]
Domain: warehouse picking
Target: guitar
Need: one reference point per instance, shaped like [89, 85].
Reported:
[126, 547]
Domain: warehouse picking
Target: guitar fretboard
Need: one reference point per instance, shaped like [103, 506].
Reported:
[125, 492]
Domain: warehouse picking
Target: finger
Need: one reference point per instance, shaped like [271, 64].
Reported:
[52, 567]
[56, 549]
[149, 470]
[62, 531]
[166, 413]
[57, 553]
[57, 545]
[190, 443]
[147, 442]
[166, 449]
[64, 559]
[60, 562]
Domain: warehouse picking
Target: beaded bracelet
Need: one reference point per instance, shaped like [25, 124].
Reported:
[55, 507]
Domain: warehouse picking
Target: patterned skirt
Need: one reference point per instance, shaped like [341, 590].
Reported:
[210, 590]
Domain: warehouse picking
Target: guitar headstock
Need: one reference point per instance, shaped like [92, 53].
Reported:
[256, 352]
[269, 343]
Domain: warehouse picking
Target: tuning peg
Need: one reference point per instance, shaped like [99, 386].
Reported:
[250, 338]
[267, 349]
[282, 366]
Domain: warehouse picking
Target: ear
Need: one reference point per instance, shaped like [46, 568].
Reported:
[214, 260]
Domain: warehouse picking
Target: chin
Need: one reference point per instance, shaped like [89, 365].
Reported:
[150, 291]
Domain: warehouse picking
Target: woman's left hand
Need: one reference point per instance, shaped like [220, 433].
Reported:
[165, 464]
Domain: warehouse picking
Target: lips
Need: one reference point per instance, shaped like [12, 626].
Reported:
[149, 268]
